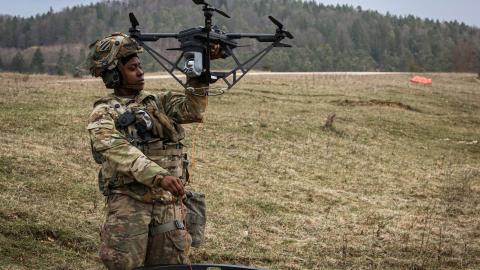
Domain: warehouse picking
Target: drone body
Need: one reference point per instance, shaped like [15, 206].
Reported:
[196, 44]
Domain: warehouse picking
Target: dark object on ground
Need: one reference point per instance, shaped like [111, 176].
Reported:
[329, 121]
[200, 267]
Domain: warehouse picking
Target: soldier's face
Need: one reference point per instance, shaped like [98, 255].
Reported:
[133, 74]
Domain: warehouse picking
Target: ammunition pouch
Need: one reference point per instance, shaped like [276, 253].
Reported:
[196, 217]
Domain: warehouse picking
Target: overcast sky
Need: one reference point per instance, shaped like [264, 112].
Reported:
[467, 11]
[28, 8]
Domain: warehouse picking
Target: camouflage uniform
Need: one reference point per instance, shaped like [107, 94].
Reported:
[144, 223]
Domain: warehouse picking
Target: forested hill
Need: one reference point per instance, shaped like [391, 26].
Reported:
[327, 38]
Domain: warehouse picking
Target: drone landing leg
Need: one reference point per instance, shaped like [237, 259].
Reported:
[245, 67]
[159, 58]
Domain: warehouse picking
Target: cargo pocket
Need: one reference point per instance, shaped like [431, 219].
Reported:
[180, 242]
[180, 239]
[122, 249]
[124, 237]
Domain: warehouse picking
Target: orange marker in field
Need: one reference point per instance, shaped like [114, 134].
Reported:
[421, 80]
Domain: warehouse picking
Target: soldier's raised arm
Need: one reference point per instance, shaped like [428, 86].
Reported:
[187, 108]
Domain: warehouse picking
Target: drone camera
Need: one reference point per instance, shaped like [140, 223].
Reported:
[193, 64]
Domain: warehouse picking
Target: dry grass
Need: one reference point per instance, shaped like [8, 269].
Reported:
[393, 184]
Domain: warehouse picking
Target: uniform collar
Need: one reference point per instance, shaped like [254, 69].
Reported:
[139, 98]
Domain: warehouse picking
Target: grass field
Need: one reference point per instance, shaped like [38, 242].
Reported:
[394, 184]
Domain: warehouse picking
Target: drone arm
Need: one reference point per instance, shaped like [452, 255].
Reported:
[235, 75]
[154, 36]
[258, 37]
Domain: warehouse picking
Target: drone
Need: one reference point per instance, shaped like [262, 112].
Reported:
[197, 43]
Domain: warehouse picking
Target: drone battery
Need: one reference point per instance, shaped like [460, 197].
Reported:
[193, 64]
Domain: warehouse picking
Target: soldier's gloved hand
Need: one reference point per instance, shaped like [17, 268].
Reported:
[172, 184]
[216, 51]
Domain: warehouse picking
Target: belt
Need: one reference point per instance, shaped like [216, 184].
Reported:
[137, 191]
[169, 226]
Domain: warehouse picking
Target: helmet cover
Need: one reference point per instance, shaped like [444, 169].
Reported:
[105, 53]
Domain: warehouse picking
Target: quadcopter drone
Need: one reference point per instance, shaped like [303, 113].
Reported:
[196, 44]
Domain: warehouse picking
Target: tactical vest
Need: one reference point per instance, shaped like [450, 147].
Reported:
[145, 125]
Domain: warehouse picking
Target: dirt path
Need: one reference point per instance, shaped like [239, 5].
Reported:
[167, 76]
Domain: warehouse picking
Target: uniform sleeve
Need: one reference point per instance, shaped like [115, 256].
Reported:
[115, 149]
[184, 109]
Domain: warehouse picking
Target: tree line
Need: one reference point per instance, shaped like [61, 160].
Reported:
[327, 38]
[65, 63]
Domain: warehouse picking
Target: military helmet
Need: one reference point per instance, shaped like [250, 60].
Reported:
[105, 53]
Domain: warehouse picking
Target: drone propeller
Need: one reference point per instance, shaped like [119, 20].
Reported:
[133, 20]
[223, 13]
[207, 6]
[276, 22]
[280, 27]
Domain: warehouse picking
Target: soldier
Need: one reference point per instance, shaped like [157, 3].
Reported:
[137, 138]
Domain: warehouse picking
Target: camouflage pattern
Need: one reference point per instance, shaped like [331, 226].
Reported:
[126, 241]
[105, 53]
[129, 169]
[119, 155]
